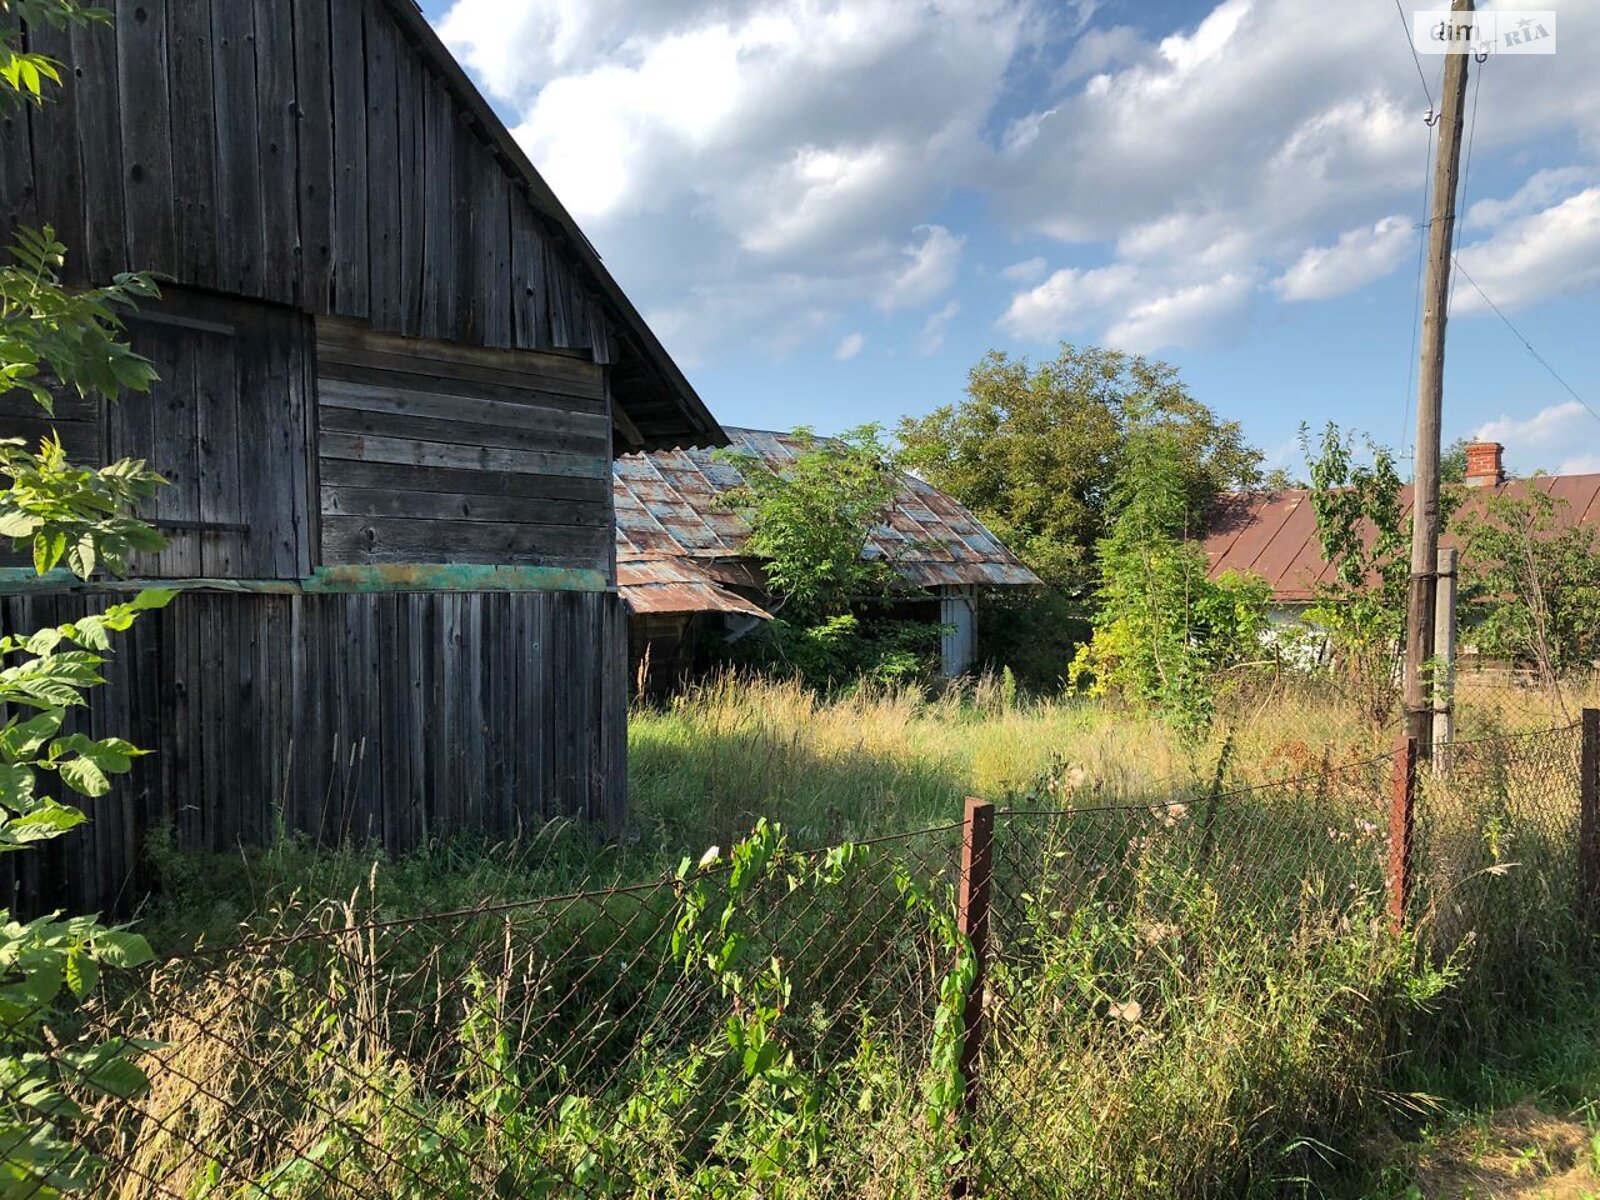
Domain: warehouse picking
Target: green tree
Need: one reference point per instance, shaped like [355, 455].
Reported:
[1453, 462]
[1163, 631]
[811, 521]
[1035, 450]
[811, 524]
[1359, 525]
[53, 338]
[1532, 583]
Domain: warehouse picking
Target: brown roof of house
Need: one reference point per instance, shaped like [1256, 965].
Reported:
[667, 504]
[655, 584]
[1274, 534]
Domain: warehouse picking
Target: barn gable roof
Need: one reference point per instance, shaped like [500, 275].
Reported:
[661, 405]
[328, 156]
[1274, 534]
[668, 507]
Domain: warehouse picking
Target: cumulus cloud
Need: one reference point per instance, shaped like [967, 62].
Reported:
[1581, 464]
[1068, 300]
[1226, 149]
[849, 346]
[1539, 191]
[1183, 316]
[1551, 427]
[1546, 253]
[751, 168]
[711, 149]
[1355, 260]
[1138, 309]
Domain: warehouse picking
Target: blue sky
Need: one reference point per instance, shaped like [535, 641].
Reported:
[830, 209]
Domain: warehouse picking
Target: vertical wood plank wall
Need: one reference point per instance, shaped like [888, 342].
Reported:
[297, 151]
[384, 720]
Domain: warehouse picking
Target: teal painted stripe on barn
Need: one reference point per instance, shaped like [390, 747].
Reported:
[374, 577]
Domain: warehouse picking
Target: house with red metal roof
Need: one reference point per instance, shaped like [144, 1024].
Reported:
[1274, 533]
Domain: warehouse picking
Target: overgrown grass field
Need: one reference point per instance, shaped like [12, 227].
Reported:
[1186, 1001]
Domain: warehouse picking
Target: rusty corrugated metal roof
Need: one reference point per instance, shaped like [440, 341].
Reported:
[677, 585]
[1274, 534]
[667, 504]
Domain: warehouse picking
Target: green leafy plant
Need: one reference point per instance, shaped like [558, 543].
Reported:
[1035, 450]
[1532, 580]
[1362, 609]
[53, 337]
[25, 73]
[811, 526]
[810, 522]
[50, 336]
[1163, 630]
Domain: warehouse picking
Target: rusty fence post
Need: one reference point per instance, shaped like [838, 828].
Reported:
[1589, 819]
[1402, 829]
[977, 874]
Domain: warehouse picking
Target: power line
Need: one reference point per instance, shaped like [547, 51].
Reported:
[1416, 295]
[1410, 45]
[1526, 344]
[1466, 171]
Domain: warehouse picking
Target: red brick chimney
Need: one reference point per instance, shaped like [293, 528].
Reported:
[1484, 468]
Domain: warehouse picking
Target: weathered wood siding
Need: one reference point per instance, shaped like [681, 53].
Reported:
[298, 151]
[432, 452]
[378, 719]
[226, 424]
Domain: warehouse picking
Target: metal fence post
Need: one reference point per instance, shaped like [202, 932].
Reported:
[1589, 819]
[977, 873]
[1402, 825]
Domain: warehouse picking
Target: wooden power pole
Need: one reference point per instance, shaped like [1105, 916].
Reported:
[1423, 591]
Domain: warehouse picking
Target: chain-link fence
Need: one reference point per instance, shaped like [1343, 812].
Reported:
[1025, 1003]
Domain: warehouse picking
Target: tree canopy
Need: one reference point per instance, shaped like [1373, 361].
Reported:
[1035, 449]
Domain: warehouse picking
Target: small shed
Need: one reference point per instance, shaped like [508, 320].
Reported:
[393, 376]
[682, 560]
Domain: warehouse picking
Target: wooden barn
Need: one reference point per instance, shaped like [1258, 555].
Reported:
[393, 377]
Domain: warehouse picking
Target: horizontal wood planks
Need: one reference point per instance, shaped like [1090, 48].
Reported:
[299, 151]
[386, 720]
[429, 452]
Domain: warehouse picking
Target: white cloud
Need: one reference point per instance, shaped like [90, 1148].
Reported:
[1224, 151]
[931, 339]
[1100, 49]
[1541, 189]
[1550, 252]
[1027, 271]
[849, 346]
[929, 268]
[749, 168]
[1184, 316]
[743, 146]
[1546, 438]
[1553, 426]
[1355, 260]
[1139, 309]
[1068, 300]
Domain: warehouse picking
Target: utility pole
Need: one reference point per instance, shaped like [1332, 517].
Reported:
[1423, 591]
